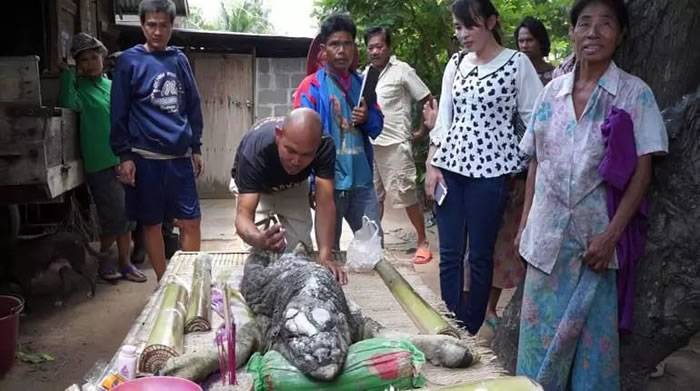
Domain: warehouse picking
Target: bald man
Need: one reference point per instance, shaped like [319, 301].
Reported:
[271, 171]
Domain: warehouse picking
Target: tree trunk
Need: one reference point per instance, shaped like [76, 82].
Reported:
[667, 308]
[662, 48]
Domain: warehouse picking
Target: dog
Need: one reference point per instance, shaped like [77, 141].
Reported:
[58, 253]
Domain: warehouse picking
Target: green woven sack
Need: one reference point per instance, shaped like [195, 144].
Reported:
[372, 364]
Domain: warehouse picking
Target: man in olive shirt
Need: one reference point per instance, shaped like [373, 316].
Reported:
[394, 167]
[271, 171]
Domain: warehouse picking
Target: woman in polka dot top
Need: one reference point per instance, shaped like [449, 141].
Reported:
[486, 90]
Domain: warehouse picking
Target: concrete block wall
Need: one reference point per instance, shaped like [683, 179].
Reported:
[276, 80]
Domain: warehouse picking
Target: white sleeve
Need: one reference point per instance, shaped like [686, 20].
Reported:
[444, 117]
[529, 87]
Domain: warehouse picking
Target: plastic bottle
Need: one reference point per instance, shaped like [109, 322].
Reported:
[126, 362]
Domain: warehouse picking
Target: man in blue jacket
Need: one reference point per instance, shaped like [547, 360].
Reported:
[334, 93]
[156, 132]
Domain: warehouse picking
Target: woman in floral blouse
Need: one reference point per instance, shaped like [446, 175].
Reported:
[568, 330]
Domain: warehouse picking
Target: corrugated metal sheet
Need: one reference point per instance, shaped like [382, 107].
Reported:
[131, 7]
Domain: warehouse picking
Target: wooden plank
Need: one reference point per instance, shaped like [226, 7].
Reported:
[225, 84]
[20, 125]
[23, 164]
[68, 22]
[62, 20]
[88, 17]
[19, 80]
[105, 16]
[61, 138]
[26, 194]
[39, 146]
[70, 135]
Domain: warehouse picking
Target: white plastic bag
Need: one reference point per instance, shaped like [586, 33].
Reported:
[365, 249]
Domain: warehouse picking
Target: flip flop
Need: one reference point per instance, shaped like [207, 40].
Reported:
[492, 322]
[133, 274]
[423, 255]
[109, 273]
[487, 332]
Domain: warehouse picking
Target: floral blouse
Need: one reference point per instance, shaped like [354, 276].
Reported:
[568, 188]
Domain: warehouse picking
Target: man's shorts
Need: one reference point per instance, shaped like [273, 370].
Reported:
[165, 189]
[108, 194]
[395, 174]
[292, 207]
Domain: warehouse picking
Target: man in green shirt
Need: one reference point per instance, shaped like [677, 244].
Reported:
[86, 90]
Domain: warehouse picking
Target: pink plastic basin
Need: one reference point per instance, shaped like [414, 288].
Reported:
[10, 308]
[158, 383]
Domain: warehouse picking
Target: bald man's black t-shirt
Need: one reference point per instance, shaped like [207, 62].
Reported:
[257, 167]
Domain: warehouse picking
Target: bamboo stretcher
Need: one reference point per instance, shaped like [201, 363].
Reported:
[366, 289]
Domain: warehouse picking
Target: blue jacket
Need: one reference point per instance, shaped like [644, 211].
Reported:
[155, 104]
[313, 92]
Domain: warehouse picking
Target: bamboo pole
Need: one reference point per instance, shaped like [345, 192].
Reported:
[167, 338]
[518, 383]
[242, 314]
[425, 317]
[198, 310]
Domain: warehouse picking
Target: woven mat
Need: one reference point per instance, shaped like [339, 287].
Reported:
[367, 290]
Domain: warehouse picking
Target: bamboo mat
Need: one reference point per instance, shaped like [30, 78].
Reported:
[366, 290]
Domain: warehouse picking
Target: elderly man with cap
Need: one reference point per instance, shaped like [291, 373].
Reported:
[271, 173]
[86, 90]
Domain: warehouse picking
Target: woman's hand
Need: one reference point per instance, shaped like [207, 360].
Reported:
[433, 176]
[600, 251]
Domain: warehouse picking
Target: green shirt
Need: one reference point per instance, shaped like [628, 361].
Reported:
[90, 97]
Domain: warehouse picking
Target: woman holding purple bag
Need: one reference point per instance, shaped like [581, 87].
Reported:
[592, 137]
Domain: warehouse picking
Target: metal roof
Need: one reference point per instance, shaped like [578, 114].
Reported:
[131, 7]
[224, 42]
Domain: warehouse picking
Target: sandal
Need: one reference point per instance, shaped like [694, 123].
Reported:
[492, 322]
[133, 274]
[109, 273]
[423, 255]
[487, 332]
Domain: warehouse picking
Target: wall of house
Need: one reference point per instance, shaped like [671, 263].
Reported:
[275, 82]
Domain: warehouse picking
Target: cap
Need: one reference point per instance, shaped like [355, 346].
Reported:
[83, 42]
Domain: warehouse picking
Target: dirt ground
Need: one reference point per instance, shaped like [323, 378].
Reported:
[88, 330]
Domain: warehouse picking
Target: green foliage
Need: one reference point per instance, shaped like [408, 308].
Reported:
[245, 16]
[421, 30]
[196, 21]
[554, 14]
[421, 36]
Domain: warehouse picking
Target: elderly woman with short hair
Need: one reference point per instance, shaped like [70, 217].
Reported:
[569, 320]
